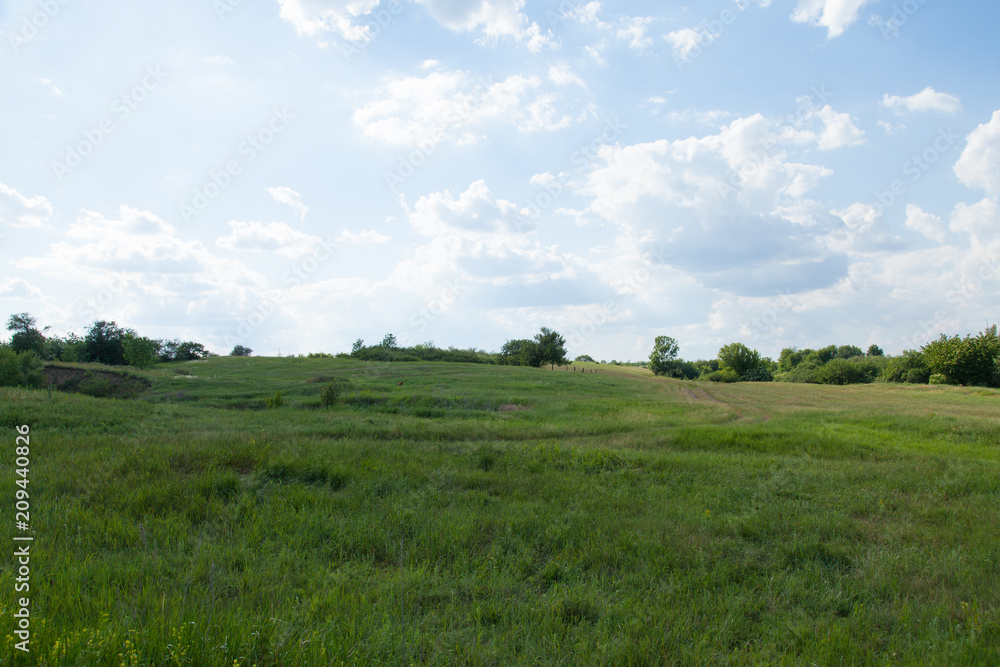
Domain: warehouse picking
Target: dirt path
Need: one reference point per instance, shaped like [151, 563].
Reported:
[699, 394]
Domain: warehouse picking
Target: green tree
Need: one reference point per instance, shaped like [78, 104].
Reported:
[849, 352]
[388, 341]
[965, 361]
[358, 346]
[140, 352]
[105, 343]
[241, 351]
[551, 347]
[522, 352]
[664, 352]
[189, 351]
[875, 351]
[739, 358]
[26, 336]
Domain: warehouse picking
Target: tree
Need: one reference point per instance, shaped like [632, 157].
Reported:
[241, 351]
[849, 352]
[875, 351]
[969, 361]
[388, 341]
[585, 357]
[105, 343]
[739, 358]
[358, 346]
[26, 336]
[520, 352]
[141, 352]
[664, 352]
[551, 347]
[189, 351]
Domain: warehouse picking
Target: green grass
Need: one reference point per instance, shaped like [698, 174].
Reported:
[490, 516]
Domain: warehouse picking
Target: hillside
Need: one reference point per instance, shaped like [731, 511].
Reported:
[472, 514]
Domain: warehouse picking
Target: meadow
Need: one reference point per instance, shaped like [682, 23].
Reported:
[459, 514]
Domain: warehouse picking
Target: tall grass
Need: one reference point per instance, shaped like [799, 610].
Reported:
[489, 515]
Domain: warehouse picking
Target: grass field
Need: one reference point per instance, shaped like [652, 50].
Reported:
[461, 514]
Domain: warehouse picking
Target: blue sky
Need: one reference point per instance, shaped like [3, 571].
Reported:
[297, 174]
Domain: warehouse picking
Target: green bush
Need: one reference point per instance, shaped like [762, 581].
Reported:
[937, 378]
[966, 361]
[332, 391]
[759, 374]
[274, 402]
[724, 375]
[918, 375]
[20, 369]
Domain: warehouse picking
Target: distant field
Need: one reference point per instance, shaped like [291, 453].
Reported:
[483, 515]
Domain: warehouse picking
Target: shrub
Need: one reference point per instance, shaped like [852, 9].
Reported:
[937, 378]
[965, 361]
[274, 402]
[918, 375]
[724, 375]
[332, 392]
[759, 374]
[20, 369]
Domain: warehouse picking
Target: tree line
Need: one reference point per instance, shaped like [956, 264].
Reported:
[970, 361]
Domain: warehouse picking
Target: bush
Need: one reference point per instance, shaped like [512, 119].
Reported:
[937, 378]
[20, 369]
[965, 361]
[759, 374]
[918, 375]
[275, 402]
[724, 375]
[332, 392]
[897, 368]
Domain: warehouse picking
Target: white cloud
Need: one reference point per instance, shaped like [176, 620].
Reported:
[840, 131]
[18, 288]
[979, 164]
[890, 128]
[926, 100]
[285, 195]
[276, 237]
[475, 211]
[315, 17]
[418, 110]
[562, 75]
[53, 89]
[495, 18]
[925, 223]
[834, 15]
[718, 205]
[686, 40]
[980, 220]
[17, 210]
[633, 30]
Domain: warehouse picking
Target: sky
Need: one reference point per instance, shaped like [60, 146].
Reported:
[293, 175]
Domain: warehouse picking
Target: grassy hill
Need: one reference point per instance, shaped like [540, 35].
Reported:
[469, 514]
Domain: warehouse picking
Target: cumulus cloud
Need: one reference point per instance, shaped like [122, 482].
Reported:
[834, 15]
[925, 223]
[496, 19]
[442, 105]
[18, 288]
[717, 204]
[979, 164]
[316, 17]
[17, 210]
[477, 210]
[926, 100]
[686, 40]
[839, 130]
[276, 237]
[284, 195]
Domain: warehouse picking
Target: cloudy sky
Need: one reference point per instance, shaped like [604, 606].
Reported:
[293, 175]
